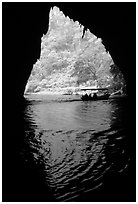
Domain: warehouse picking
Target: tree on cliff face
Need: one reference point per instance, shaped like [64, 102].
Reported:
[117, 81]
[71, 57]
[93, 62]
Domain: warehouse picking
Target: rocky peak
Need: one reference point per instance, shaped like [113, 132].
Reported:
[55, 13]
[57, 19]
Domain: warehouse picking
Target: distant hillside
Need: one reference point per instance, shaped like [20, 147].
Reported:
[71, 57]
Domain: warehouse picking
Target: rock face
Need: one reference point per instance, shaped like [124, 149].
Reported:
[70, 57]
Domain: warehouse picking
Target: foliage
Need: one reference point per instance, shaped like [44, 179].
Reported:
[118, 81]
[71, 57]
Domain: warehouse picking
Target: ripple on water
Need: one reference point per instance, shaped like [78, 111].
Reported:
[75, 160]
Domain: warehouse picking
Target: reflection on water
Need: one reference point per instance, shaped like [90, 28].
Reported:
[76, 143]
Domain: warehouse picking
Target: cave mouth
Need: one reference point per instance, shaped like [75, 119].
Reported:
[72, 56]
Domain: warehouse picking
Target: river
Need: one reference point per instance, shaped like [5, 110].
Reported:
[77, 150]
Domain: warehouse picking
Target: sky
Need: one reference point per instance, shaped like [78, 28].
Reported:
[23, 25]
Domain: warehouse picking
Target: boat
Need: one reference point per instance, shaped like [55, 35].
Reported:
[95, 97]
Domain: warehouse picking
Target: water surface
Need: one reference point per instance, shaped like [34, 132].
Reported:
[78, 146]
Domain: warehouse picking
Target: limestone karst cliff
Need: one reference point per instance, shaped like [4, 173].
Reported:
[71, 57]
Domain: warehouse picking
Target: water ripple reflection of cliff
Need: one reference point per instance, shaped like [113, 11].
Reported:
[76, 145]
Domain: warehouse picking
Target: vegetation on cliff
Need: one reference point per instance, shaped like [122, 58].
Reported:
[72, 57]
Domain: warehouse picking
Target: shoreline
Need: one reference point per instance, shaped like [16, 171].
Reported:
[63, 91]
[48, 93]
